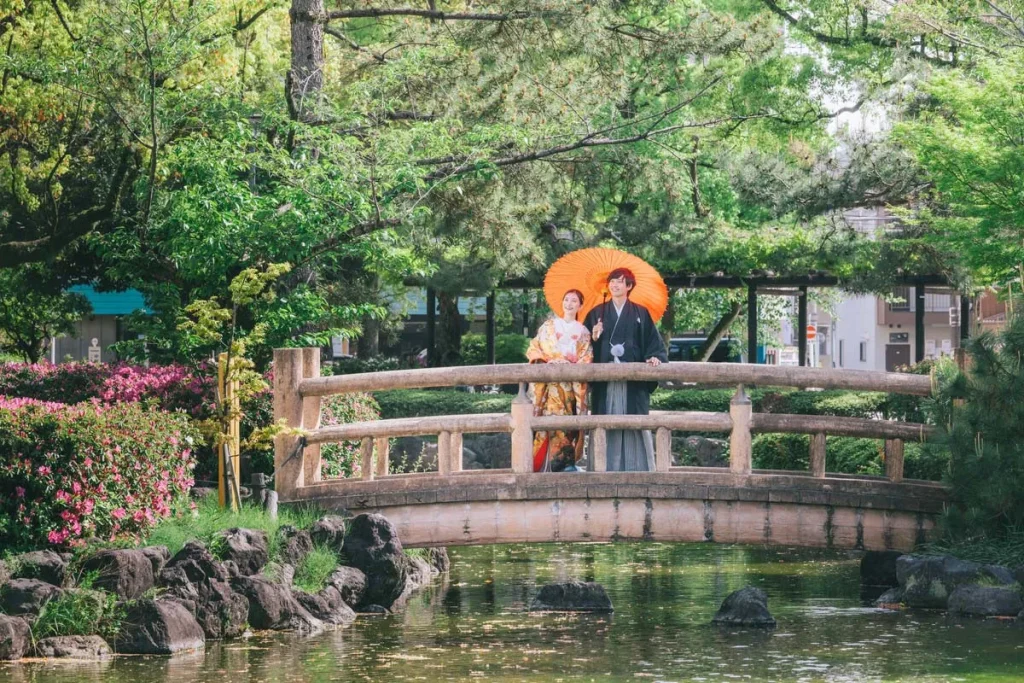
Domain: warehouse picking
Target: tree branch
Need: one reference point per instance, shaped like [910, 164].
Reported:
[379, 12]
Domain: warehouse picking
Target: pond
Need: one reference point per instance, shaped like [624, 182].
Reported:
[475, 626]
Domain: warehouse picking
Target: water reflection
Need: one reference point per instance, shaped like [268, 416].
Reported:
[476, 625]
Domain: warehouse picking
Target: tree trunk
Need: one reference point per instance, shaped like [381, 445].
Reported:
[668, 321]
[716, 335]
[369, 342]
[305, 81]
[450, 329]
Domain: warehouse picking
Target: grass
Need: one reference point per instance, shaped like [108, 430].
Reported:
[311, 576]
[80, 612]
[209, 519]
[1007, 551]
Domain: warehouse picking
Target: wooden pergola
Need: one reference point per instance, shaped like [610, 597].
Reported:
[787, 285]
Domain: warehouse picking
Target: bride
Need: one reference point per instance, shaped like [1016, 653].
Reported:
[560, 340]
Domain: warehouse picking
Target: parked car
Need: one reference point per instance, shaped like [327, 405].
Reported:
[686, 348]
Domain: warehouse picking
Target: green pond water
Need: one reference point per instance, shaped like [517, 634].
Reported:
[475, 626]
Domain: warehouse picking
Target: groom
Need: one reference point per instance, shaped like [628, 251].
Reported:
[624, 332]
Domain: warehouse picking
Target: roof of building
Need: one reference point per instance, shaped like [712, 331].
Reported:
[112, 303]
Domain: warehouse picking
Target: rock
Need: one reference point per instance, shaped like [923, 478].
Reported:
[126, 573]
[372, 546]
[283, 574]
[374, 610]
[890, 598]
[329, 531]
[158, 556]
[419, 573]
[438, 559]
[44, 565]
[5, 573]
[295, 544]
[202, 492]
[231, 568]
[746, 607]
[272, 606]
[572, 596]
[701, 451]
[194, 563]
[351, 584]
[327, 606]
[26, 596]
[985, 601]
[928, 581]
[73, 647]
[15, 637]
[878, 568]
[158, 627]
[247, 548]
[200, 583]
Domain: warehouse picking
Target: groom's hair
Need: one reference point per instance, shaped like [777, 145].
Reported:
[626, 274]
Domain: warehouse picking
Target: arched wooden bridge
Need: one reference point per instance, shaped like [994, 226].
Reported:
[727, 505]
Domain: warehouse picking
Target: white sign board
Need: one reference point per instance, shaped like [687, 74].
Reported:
[94, 351]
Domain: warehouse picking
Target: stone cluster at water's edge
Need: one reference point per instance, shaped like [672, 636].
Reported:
[174, 604]
[572, 596]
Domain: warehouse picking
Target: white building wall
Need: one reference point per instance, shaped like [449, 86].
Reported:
[856, 322]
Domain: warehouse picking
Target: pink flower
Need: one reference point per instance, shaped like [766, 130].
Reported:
[19, 491]
[119, 513]
[63, 496]
[43, 470]
[76, 487]
[56, 536]
[87, 462]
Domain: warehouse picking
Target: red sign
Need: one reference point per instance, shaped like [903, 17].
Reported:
[812, 332]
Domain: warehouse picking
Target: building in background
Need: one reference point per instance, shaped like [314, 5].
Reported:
[94, 334]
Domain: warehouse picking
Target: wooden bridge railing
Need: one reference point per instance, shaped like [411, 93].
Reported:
[299, 389]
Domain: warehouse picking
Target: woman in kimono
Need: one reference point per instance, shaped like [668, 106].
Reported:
[560, 340]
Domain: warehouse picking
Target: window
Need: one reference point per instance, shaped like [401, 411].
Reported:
[899, 337]
[863, 352]
[840, 353]
[901, 299]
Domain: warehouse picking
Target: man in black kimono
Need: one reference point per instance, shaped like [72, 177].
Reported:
[624, 332]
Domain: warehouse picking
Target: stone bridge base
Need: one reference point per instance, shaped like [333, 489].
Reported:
[694, 505]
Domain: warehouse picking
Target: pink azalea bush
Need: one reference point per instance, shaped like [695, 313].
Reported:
[71, 472]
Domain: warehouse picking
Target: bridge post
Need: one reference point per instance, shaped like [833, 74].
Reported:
[455, 444]
[740, 411]
[382, 448]
[522, 432]
[444, 453]
[894, 460]
[366, 458]
[818, 455]
[599, 450]
[311, 462]
[663, 450]
[288, 469]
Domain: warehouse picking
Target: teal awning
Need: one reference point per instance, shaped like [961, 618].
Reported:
[112, 303]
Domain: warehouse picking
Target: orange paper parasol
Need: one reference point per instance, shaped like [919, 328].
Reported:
[587, 270]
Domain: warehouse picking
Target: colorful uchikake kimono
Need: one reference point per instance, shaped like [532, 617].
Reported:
[558, 339]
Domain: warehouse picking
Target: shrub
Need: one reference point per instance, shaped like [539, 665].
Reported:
[349, 366]
[781, 452]
[420, 402]
[64, 383]
[73, 472]
[854, 456]
[985, 437]
[508, 348]
[342, 459]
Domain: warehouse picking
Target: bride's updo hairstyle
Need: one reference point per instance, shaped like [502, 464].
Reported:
[579, 296]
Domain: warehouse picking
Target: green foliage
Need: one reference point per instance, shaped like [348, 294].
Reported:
[985, 437]
[855, 456]
[209, 519]
[312, 574]
[508, 348]
[343, 459]
[351, 366]
[34, 308]
[80, 612]
[422, 402]
[1006, 550]
[781, 452]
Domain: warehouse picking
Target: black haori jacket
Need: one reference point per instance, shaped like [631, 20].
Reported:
[641, 339]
